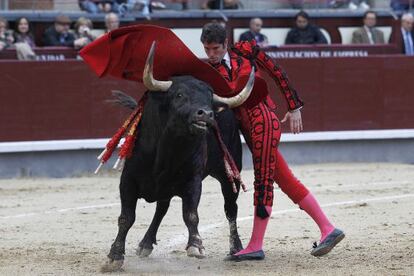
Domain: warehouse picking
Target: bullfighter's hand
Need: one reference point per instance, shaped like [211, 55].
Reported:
[295, 121]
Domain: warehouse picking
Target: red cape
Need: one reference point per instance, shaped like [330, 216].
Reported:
[122, 54]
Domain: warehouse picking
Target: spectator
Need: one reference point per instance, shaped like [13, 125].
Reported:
[358, 4]
[22, 32]
[90, 6]
[100, 6]
[6, 36]
[368, 34]
[105, 6]
[254, 33]
[407, 21]
[123, 6]
[350, 4]
[111, 22]
[400, 5]
[146, 8]
[58, 34]
[227, 4]
[83, 34]
[304, 32]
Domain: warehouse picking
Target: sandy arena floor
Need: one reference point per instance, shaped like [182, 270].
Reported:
[66, 226]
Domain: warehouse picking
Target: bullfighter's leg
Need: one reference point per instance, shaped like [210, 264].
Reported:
[125, 221]
[230, 209]
[145, 246]
[191, 199]
[263, 130]
[299, 194]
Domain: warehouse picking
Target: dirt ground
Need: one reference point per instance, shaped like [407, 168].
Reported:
[66, 226]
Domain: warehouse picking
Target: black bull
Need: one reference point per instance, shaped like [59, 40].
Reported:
[174, 151]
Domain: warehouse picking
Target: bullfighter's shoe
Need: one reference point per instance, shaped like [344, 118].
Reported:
[328, 243]
[252, 256]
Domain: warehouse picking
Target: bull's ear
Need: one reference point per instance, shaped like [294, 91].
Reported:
[219, 106]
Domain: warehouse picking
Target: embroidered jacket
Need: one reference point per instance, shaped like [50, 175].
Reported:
[243, 55]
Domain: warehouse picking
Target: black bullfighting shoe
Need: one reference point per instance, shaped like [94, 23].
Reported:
[328, 243]
[252, 256]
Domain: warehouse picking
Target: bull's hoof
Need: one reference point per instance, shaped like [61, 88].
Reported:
[235, 246]
[112, 266]
[144, 252]
[196, 252]
[235, 250]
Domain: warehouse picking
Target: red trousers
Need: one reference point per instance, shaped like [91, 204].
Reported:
[261, 130]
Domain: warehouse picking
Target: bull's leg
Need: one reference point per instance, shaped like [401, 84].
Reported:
[190, 214]
[145, 246]
[125, 222]
[230, 209]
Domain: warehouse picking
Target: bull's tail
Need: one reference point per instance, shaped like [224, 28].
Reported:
[123, 99]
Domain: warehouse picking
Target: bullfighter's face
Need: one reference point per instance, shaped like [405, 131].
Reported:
[215, 51]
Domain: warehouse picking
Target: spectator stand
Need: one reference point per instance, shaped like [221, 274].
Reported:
[41, 20]
[335, 24]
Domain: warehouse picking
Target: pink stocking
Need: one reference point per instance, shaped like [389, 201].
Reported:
[311, 206]
[259, 229]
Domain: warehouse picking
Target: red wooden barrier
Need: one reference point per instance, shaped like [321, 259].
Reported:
[65, 100]
[43, 53]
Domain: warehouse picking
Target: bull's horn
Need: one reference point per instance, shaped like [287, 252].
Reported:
[147, 77]
[240, 98]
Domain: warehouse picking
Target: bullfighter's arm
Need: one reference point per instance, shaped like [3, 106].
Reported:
[252, 51]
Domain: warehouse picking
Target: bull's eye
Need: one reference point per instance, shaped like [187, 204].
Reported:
[179, 95]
